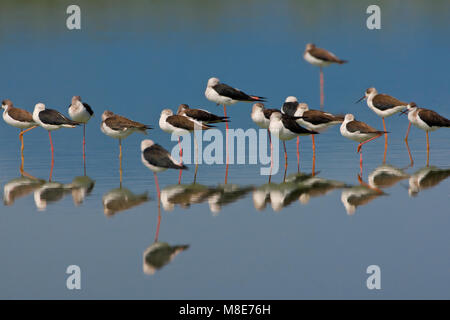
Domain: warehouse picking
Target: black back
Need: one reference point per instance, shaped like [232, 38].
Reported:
[53, 117]
[290, 123]
[235, 94]
[160, 157]
[289, 108]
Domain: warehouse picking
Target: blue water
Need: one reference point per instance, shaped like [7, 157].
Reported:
[138, 58]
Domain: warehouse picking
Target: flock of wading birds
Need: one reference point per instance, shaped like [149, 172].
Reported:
[293, 120]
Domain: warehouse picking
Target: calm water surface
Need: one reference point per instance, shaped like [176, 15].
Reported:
[310, 237]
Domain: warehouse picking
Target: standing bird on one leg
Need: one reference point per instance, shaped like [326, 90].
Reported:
[158, 159]
[286, 128]
[321, 58]
[261, 116]
[314, 120]
[18, 118]
[200, 115]
[360, 132]
[225, 95]
[51, 120]
[181, 125]
[384, 106]
[118, 127]
[425, 119]
[81, 112]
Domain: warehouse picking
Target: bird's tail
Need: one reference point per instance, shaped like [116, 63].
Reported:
[144, 129]
[342, 61]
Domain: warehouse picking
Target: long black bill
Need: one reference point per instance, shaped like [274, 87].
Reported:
[360, 99]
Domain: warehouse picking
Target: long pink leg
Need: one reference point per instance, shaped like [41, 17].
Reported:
[407, 132]
[360, 163]
[84, 147]
[53, 159]
[226, 143]
[157, 185]
[181, 160]
[322, 97]
[363, 143]
[314, 156]
[385, 141]
[428, 150]
[298, 154]
[159, 220]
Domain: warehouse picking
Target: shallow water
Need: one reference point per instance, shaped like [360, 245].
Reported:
[310, 237]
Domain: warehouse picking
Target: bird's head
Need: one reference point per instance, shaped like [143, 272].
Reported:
[213, 81]
[349, 117]
[276, 116]
[370, 91]
[6, 104]
[257, 107]
[310, 46]
[412, 106]
[39, 107]
[166, 113]
[147, 143]
[182, 107]
[75, 99]
[107, 114]
[303, 107]
[291, 99]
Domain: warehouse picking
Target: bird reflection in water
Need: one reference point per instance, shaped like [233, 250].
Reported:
[425, 178]
[20, 187]
[50, 192]
[121, 199]
[81, 187]
[386, 176]
[217, 197]
[299, 187]
[360, 195]
[159, 254]
[226, 194]
[184, 195]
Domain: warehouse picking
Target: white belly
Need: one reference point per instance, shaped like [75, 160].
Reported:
[213, 96]
[385, 113]
[79, 114]
[260, 120]
[316, 127]
[314, 61]
[419, 123]
[15, 123]
[167, 127]
[114, 133]
[355, 136]
[279, 131]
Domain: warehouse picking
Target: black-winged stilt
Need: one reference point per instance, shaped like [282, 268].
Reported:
[360, 132]
[321, 58]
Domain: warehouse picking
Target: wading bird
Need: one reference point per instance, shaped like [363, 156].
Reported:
[158, 159]
[360, 132]
[18, 118]
[321, 58]
[261, 116]
[118, 127]
[286, 128]
[425, 119]
[51, 120]
[180, 125]
[81, 112]
[384, 106]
